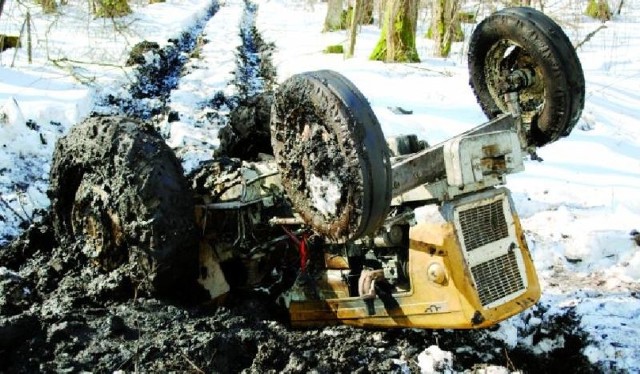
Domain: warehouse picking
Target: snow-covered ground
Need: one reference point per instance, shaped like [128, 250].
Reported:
[578, 206]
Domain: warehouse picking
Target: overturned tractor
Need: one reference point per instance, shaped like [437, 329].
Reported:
[339, 224]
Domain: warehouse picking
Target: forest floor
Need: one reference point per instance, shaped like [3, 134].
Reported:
[58, 314]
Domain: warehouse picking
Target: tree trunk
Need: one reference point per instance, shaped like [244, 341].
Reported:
[1, 6]
[356, 19]
[381, 5]
[333, 20]
[29, 49]
[367, 12]
[112, 8]
[49, 6]
[397, 41]
[444, 25]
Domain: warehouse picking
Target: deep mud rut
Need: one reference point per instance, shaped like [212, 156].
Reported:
[59, 313]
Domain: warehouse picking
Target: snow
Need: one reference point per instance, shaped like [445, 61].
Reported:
[434, 360]
[325, 193]
[211, 72]
[578, 206]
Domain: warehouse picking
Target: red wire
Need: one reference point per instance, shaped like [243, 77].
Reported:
[302, 247]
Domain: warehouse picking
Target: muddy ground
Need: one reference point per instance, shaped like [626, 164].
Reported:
[60, 313]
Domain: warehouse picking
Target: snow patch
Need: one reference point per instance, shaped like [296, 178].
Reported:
[434, 360]
[325, 193]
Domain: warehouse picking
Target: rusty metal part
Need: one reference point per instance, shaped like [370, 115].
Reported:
[519, 79]
[333, 261]
[286, 221]
[332, 156]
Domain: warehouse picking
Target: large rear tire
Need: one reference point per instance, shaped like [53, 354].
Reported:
[525, 39]
[118, 189]
[331, 154]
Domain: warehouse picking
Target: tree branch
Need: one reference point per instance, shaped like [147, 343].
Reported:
[590, 35]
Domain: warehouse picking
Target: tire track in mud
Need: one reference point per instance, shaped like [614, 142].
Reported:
[247, 133]
[159, 71]
[193, 119]
[255, 72]
[124, 334]
[160, 75]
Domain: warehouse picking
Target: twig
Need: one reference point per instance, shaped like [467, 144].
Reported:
[28, 217]
[12, 210]
[15, 53]
[193, 365]
[510, 364]
[590, 35]
[67, 64]
[70, 61]
[443, 73]
[71, 70]
[620, 7]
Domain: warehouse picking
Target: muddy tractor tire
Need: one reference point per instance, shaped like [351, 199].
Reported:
[119, 192]
[331, 154]
[518, 45]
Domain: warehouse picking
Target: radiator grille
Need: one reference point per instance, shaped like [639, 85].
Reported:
[475, 230]
[497, 278]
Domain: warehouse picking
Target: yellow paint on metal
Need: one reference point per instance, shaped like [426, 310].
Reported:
[451, 304]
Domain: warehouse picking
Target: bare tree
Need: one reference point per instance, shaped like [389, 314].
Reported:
[445, 25]
[358, 9]
[112, 8]
[397, 41]
[599, 10]
[333, 20]
[360, 14]
[1, 6]
[49, 6]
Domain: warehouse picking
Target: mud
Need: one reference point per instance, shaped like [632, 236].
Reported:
[255, 72]
[58, 314]
[325, 135]
[157, 73]
[247, 133]
[307, 145]
[67, 308]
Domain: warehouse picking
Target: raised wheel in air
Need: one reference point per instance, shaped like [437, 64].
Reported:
[521, 49]
[331, 154]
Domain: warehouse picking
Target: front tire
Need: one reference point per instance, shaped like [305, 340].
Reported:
[524, 38]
